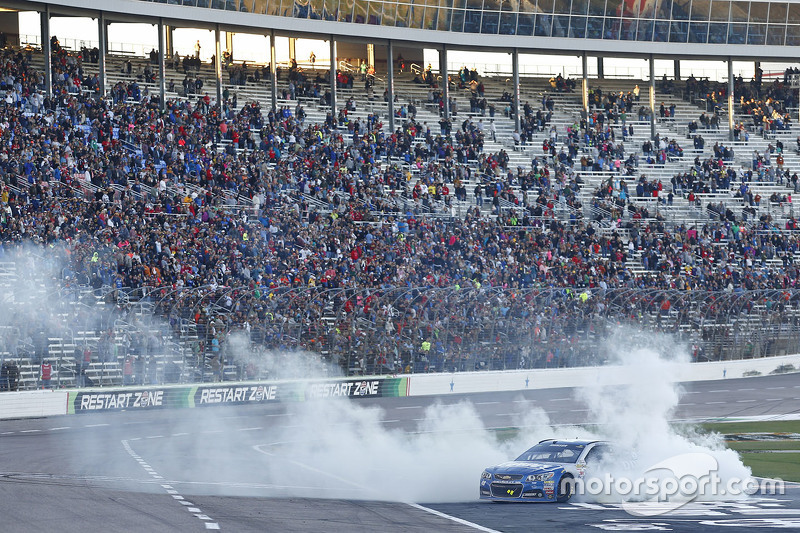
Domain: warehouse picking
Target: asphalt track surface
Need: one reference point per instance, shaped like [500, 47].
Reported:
[171, 470]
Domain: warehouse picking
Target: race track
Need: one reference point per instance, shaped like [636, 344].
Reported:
[231, 468]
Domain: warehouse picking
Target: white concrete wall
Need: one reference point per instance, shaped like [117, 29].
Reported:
[468, 382]
[32, 404]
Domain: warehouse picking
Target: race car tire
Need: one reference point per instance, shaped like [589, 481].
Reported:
[564, 491]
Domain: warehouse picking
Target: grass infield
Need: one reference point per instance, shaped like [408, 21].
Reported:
[768, 447]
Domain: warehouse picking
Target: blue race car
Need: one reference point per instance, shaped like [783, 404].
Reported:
[543, 473]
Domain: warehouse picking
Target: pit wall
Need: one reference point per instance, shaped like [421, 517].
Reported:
[33, 404]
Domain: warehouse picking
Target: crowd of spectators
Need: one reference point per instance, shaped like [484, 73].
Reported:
[344, 239]
[766, 102]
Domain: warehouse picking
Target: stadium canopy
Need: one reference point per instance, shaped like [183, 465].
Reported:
[723, 29]
[651, 29]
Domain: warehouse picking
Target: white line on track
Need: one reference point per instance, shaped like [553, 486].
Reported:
[523, 401]
[775, 388]
[745, 401]
[155, 437]
[168, 488]
[410, 407]
[390, 421]
[178, 434]
[249, 429]
[559, 399]
[59, 428]
[30, 431]
[713, 403]
[740, 390]
[721, 390]
[773, 399]
[278, 414]
[688, 404]
[485, 403]
[452, 518]
[96, 425]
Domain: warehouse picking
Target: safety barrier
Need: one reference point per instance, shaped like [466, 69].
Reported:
[472, 382]
[30, 404]
[242, 393]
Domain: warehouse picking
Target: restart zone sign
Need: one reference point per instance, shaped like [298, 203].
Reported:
[368, 388]
[235, 394]
[117, 400]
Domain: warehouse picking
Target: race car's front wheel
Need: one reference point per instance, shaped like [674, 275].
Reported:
[564, 488]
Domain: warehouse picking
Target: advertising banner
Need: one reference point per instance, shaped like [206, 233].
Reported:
[119, 399]
[356, 388]
[233, 394]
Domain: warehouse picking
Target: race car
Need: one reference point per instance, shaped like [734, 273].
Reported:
[544, 473]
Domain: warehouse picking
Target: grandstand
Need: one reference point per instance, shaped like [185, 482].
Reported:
[391, 222]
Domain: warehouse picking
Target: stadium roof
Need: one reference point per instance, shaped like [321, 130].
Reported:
[759, 30]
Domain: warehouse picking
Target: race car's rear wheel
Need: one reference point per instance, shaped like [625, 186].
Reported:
[564, 488]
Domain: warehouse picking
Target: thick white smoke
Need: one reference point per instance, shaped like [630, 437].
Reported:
[636, 417]
[351, 453]
[260, 363]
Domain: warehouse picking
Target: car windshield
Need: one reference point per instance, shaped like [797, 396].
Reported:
[553, 452]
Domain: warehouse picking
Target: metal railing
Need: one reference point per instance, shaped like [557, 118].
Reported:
[213, 332]
[472, 327]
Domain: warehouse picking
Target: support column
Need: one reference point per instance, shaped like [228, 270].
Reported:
[515, 76]
[273, 71]
[218, 65]
[600, 68]
[333, 77]
[229, 42]
[101, 58]
[445, 84]
[162, 72]
[370, 55]
[652, 97]
[676, 69]
[585, 84]
[731, 121]
[390, 82]
[292, 52]
[170, 40]
[48, 67]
